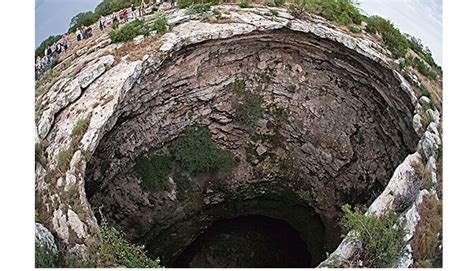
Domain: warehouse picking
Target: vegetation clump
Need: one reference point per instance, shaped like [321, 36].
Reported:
[197, 153]
[291, 88]
[250, 110]
[153, 171]
[395, 41]
[111, 250]
[279, 2]
[344, 12]
[82, 19]
[114, 250]
[381, 237]
[106, 7]
[44, 257]
[245, 4]
[129, 31]
[199, 8]
[184, 188]
[279, 113]
[160, 24]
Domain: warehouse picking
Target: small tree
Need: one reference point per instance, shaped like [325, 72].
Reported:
[381, 237]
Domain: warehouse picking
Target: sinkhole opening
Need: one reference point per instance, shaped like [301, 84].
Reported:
[247, 241]
[261, 129]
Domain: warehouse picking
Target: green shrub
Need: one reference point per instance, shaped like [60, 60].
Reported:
[245, 4]
[236, 86]
[106, 7]
[184, 3]
[291, 88]
[199, 8]
[129, 31]
[272, 13]
[279, 2]
[424, 53]
[184, 187]
[160, 24]
[44, 258]
[395, 41]
[250, 110]
[82, 19]
[354, 29]
[381, 237]
[114, 250]
[279, 113]
[424, 69]
[343, 12]
[153, 171]
[196, 152]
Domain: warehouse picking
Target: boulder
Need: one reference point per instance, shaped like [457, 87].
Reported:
[424, 101]
[418, 124]
[45, 123]
[92, 72]
[261, 150]
[45, 239]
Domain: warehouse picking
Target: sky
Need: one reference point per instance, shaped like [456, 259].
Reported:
[52, 17]
[419, 18]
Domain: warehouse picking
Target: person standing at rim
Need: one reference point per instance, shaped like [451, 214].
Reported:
[78, 34]
[173, 3]
[133, 9]
[101, 25]
[65, 43]
[142, 9]
[49, 55]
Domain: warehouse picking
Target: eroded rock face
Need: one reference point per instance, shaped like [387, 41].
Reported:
[339, 122]
[336, 123]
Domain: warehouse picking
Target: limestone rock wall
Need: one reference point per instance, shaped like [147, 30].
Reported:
[348, 113]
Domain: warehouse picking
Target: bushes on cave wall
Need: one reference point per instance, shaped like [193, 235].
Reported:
[110, 250]
[381, 237]
[114, 250]
[196, 152]
[250, 110]
[153, 171]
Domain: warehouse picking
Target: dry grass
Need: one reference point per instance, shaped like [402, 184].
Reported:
[428, 232]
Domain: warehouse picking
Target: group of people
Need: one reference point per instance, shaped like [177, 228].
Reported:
[83, 32]
[50, 53]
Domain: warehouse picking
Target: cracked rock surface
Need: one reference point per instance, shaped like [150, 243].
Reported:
[336, 122]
